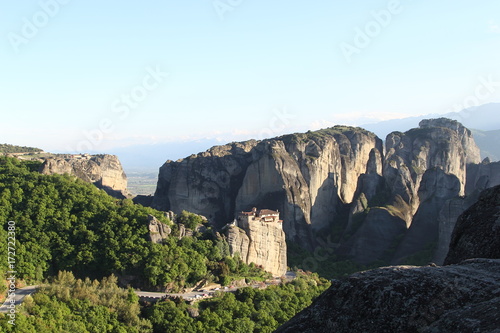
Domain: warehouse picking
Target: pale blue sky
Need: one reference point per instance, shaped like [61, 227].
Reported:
[227, 77]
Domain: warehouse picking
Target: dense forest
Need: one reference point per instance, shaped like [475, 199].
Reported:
[63, 223]
[81, 244]
[11, 149]
[73, 305]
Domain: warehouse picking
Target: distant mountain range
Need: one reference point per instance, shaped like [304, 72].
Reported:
[488, 142]
[484, 120]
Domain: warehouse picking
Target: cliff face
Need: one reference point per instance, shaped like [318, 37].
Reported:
[104, 171]
[306, 176]
[423, 169]
[437, 143]
[261, 243]
[463, 297]
[380, 207]
[472, 152]
[477, 231]
[479, 177]
[482, 176]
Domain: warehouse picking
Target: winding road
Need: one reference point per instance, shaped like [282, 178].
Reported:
[21, 293]
[19, 296]
[197, 295]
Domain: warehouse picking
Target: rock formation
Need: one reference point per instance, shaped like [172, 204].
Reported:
[446, 220]
[338, 182]
[458, 298]
[482, 176]
[479, 177]
[308, 177]
[258, 237]
[104, 171]
[471, 150]
[477, 231]
[158, 231]
[423, 169]
[463, 297]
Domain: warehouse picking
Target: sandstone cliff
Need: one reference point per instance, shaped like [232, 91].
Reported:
[479, 177]
[423, 169]
[338, 182]
[306, 176]
[258, 237]
[463, 297]
[262, 244]
[104, 171]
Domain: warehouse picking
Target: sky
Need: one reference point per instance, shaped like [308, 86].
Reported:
[96, 75]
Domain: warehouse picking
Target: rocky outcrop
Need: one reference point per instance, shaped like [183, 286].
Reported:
[158, 231]
[423, 169]
[479, 177]
[260, 241]
[446, 220]
[462, 297]
[306, 176]
[457, 298]
[482, 176]
[472, 152]
[184, 232]
[206, 183]
[337, 182]
[436, 188]
[104, 171]
[477, 231]
[437, 143]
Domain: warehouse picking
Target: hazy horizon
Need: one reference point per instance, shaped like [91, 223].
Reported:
[89, 76]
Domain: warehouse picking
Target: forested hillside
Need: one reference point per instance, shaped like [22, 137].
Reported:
[63, 223]
[12, 149]
[73, 305]
[79, 243]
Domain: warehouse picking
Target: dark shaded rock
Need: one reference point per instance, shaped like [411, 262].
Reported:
[477, 231]
[463, 297]
[482, 317]
[408, 299]
[423, 169]
[436, 187]
[144, 200]
[376, 236]
[482, 176]
[447, 219]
